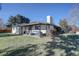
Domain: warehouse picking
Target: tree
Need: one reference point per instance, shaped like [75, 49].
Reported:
[64, 25]
[12, 20]
[21, 19]
[1, 24]
[18, 19]
[74, 15]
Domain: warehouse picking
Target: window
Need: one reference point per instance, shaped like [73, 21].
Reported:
[37, 27]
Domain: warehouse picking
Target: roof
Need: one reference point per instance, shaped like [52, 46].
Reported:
[31, 24]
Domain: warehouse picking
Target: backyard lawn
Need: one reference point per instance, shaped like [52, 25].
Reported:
[17, 41]
[23, 45]
[9, 43]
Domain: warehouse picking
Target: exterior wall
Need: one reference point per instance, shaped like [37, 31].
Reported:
[23, 30]
[33, 27]
[41, 28]
[15, 30]
[44, 29]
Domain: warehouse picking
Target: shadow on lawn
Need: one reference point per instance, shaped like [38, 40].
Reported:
[69, 45]
[28, 50]
[63, 46]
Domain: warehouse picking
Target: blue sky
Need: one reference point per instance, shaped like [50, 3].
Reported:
[35, 12]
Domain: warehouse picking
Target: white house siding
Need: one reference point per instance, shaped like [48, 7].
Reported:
[15, 30]
[34, 30]
[43, 29]
[25, 29]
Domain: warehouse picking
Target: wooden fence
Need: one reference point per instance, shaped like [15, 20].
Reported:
[5, 30]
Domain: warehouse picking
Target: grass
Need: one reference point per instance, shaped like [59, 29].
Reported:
[17, 41]
[20, 43]
[23, 45]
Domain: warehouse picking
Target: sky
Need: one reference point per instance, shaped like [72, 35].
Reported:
[35, 11]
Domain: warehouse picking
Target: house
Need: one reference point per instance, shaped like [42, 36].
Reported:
[74, 29]
[35, 28]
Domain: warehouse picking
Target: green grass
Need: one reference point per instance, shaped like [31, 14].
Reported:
[10, 44]
[33, 46]
[17, 41]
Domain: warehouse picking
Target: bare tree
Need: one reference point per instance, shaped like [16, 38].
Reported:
[64, 24]
[74, 15]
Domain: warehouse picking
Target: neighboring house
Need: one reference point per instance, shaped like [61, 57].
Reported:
[74, 29]
[35, 28]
